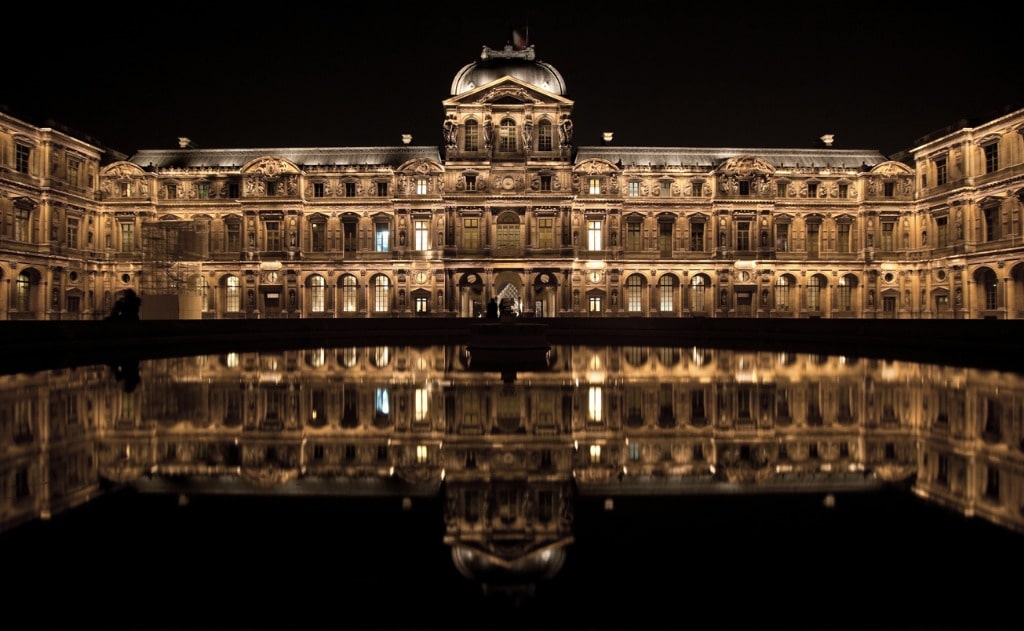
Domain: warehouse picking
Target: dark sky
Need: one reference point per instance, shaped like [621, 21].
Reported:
[654, 73]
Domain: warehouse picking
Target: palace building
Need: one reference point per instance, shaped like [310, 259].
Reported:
[508, 207]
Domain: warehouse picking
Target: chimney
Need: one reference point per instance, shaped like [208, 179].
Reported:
[185, 142]
[606, 137]
[828, 139]
[406, 139]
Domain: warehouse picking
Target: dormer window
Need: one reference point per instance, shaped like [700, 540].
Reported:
[421, 186]
[888, 189]
[271, 188]
[745, 187]
[545, 182]
[471, 182]
[318, 189]
[172, 191]
[633, 189]
[125, 188]
[594, 185]
[844, 191]
[812, 189]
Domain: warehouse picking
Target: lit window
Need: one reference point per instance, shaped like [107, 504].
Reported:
[634, 189]
[507, 136]
[382, 237]
[634, 294]
[421, 186]
[698, 294]
[594, 185]
[666, 294]
[348, 293]
[782, 287]
[594, 409]
[421, 231]
[595, 239]
[381, 294]
[421, 304]
[594, 304]
[232, 294]
[317, 294]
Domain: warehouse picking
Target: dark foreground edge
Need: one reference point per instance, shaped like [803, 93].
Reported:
[991, 344]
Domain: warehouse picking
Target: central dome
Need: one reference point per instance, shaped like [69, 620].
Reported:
[511, 62]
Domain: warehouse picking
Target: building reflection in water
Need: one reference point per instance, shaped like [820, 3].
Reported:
[510, 452]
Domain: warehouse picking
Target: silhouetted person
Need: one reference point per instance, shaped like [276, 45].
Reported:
[492, 308]
[126, 307]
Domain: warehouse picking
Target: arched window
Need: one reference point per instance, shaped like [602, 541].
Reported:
[666, 293]
[472, 136]
[349, 289]
[507, 135]
[991, 286]
[844, 294]
[381, 294]
[782, 289]
[544, 135]
[317, 294]
[814, 293]
[634, 293]
[202, 289]
[232, 294]
[698, 291]
[24, 293]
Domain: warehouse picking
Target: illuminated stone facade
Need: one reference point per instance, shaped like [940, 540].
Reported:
[508, 207]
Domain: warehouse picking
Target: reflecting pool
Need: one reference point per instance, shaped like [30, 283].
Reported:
[574, 486]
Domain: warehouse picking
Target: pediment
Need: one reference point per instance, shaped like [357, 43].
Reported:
[507, 91]
[595, 166]
[891, 168]
[270, 166]
[421, 167]
[122, 169]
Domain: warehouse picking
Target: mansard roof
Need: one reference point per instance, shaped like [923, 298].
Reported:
[711, 157]
[317, 156]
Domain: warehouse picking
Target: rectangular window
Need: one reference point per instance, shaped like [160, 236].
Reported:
[273, 229]
[470, 182]
[381, 237]
[421, 230]
[319, 189]
[634, 189]
[127, 237]
[744, 187]
[665, 238]
[472, 131]
[22, 153]
[507, 136]
[991, 157]
[812, 240]
[421, 303]
[594, 304]
[780, 189]
[72, 233]
[697, 237]
[887, 236]
[843, 237]
[812, 190]
[172, 191]
[348, 295]
[544, 137]
[73, 304]
[203, 190]
[924, 180]
[73, 166]
[697, 189]
[471, 233]
[782, 237]
[125, 189]
[666, 188]
[888, 189]
[940, 171]
[545, 182]
[594, 236]
[382, 189]
[633, 236]
[942, 227]
[844, 191]
[742, 235]
[318, 229]
[991, 223]
[234, 237]
[349, 236]
[350, 189]
[594, 185]
[546, 232]
[271, 188]
[421, 186]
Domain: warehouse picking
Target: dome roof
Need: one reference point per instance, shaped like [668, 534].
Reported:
[518, 63]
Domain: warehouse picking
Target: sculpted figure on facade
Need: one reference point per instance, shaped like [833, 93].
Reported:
[451, 133]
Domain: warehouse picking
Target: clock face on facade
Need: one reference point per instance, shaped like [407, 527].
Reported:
[507, 183]
[595, 276]
[744, 276]
[421, 277]
[271, 277]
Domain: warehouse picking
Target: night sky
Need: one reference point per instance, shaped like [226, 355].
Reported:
[710, 74]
